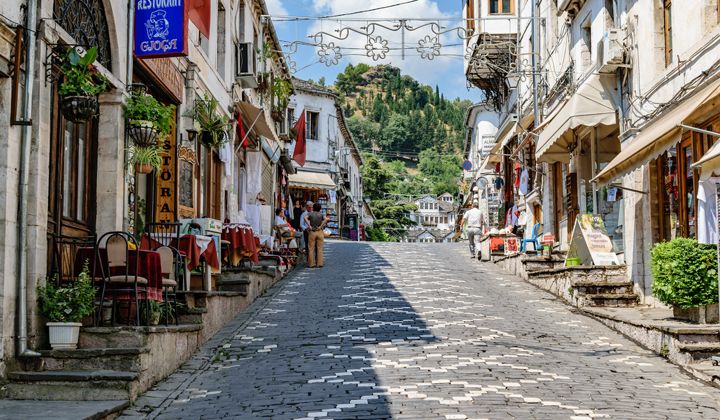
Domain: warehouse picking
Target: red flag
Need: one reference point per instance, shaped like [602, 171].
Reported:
[199, 14]
[240, 131]
[299, 154]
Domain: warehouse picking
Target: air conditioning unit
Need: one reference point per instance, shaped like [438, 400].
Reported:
[245, 73]
[613, 51]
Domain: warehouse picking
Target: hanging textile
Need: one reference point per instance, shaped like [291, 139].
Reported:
[240, 132]
[198, 11]
[254, 173]
[524, 179]
[333, 196]
[225, 155]
[707, 212]
[300, 146]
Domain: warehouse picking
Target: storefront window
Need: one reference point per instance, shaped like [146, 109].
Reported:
[669, 190]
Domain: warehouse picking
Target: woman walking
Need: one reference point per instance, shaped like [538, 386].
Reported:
[316, 222]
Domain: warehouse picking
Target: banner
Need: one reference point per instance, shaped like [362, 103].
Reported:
[160, 28]
[590, 242]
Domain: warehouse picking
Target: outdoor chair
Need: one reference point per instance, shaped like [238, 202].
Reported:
[170, 262]
[121, 275]
[63, 267]
[168, 234]
[533, 239]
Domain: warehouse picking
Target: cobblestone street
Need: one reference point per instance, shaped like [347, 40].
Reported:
[417, 331]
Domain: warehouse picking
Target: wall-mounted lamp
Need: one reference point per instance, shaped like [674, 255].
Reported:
[189, 74]
[192, 134]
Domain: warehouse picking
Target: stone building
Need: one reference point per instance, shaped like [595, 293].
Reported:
[64, 179]
[605, 119]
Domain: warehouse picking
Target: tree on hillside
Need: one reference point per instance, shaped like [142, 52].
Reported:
[394, 135]
[364, 132]
[442, 169]
[375, 177]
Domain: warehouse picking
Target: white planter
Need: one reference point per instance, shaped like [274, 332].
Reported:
[64, 335]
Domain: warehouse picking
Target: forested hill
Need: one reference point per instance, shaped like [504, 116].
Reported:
[390, 112]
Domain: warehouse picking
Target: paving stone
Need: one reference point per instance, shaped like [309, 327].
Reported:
[420, 331]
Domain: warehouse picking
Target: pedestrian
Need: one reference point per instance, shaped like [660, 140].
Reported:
[316, 222]
[475, 223]
[281, 224]
[297, 216]
[304, 225]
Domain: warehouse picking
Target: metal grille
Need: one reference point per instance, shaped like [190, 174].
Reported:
[85, 21]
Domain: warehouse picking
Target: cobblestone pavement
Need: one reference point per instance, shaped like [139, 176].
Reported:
[415, 331]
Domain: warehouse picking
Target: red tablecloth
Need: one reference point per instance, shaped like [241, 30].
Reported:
[242, 243]
[148, 267]
[189, 248]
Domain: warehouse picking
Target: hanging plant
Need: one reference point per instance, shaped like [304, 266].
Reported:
[282, 89]
[145, 159]
[148, 120]
[82, 82]
[213, 125]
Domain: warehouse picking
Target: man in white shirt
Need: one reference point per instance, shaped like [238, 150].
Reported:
[304, 225]
[475, 222]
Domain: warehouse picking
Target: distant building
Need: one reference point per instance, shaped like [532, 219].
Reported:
[434, 219]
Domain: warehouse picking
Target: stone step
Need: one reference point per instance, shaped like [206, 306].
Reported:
[603, 287]
[234, 282]
[613, 300]
[700, 351]
[126, 337]
[92, 385]
[116, 359]
[192, 315]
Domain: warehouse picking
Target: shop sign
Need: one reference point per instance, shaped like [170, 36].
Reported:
[165, 75]
[488, 142]
[160, 28]
[590, 242]
[166, 191]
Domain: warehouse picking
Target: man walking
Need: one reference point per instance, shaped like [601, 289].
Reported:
[304, 226]
[475, 222]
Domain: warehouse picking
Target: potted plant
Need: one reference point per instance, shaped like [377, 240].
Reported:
[82, 82]
[147, 118]
[145, 158]
[282, 89]
[156, 312]
[685, 277]
[65, 306]
[213, 124]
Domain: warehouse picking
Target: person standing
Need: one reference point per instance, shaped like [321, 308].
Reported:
[297, 212]
[317, 221]
[475, 222]
[304, 225]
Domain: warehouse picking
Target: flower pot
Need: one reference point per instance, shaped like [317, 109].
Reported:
[64, 335]
[142, 133]
[277, 116]
[143, 168]
[573, 262]
[707, 314]
[78, 109]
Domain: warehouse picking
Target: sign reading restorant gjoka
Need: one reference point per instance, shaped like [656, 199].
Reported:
[590, 241]
[160, 28]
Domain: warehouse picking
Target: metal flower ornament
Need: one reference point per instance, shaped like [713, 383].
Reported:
[429, 47]
[377, 48]
[330, 54]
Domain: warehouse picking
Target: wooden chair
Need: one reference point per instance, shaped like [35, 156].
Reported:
[64, 253]
[170, 261]
[168, 234]
[120, 275]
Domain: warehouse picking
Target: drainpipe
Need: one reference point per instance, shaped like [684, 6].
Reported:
[129, 80]
[25, 141]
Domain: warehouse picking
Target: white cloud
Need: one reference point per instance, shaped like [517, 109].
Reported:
[353, 48]
[276, 7]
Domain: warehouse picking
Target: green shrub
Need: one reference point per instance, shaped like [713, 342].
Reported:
[68, 303]
[684, 273]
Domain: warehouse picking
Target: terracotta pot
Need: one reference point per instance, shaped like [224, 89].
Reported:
[78, 108]
[143, 168]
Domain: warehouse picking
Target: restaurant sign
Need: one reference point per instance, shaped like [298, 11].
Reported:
[590, 242]
[160, 28]
[166, 191]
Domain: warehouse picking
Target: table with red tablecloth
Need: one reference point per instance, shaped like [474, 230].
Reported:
[148, 266]
[243, 243]
[194, 248]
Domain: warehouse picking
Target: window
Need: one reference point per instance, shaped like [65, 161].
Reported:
[667, 23]
[501, 7]
[312, 125]
[220, 64]
[470, 15]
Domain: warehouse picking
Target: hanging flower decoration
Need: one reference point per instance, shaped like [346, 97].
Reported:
[330, 54]
[377, 48]
[429, 47]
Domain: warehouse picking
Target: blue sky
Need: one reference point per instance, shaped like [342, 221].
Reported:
[445, 70]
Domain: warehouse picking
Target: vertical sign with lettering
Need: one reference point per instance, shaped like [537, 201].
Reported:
[160, 28]
[166, 191]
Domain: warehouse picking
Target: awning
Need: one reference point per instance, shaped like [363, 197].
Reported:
[591, 105]
[657, 136]
[255, 117]
[311, 180]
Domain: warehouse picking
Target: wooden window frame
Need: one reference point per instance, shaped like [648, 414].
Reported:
[499, 4]
[310, 125]
[667, 31]
[470, 16]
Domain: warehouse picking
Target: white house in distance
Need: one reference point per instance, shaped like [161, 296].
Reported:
[434, 212]
[331, 174]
